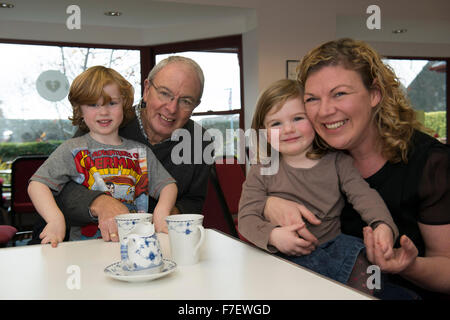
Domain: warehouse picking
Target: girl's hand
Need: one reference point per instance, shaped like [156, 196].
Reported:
[287, 241]
[285, 213]
[385, 239]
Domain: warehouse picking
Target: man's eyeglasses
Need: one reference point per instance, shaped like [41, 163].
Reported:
[165, 96]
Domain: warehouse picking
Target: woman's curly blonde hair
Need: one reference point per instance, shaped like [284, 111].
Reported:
[87, 88]
[394, 117]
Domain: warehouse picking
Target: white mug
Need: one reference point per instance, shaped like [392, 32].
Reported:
[186, 235]
[128, 221]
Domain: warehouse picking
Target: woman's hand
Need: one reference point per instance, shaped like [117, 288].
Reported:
[287, 213]
[399, 261]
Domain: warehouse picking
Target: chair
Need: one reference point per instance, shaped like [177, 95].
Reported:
[3, 216]
[23, 213]
[7, 233]
[215, 209]
[230, 177]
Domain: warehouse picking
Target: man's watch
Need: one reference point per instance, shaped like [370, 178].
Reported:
[92, 217]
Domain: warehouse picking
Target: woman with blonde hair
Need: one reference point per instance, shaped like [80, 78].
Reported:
[307, 174]
[356, 104]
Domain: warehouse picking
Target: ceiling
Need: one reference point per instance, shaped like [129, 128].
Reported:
[426, 21]
[135, 13]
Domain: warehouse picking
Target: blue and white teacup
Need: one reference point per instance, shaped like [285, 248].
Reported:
[127, 222]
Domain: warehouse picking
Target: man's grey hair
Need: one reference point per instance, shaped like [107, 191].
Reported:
[187, 61]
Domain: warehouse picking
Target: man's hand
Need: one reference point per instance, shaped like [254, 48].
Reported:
[106, 208]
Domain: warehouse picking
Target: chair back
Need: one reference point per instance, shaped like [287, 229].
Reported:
[7, 233]
[3, 213]
[227, 177]
[22, 169]
[231, 176]
[2, 198]
[215, 211]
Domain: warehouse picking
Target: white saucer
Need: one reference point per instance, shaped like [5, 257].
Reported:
[116, 271]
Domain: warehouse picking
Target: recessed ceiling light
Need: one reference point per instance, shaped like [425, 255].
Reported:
[396, 31]
[113, 13]
[6, 5]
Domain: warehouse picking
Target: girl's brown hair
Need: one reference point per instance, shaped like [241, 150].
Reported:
[394, 117]
[275, 96]
[87, 88]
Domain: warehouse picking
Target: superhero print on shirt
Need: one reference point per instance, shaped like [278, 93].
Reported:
[121, 173]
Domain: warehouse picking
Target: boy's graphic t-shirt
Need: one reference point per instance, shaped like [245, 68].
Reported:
[129, 172]
[120, 172]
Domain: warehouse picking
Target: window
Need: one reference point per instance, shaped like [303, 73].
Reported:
[28, 116]
[35, 80]
[221, 105]
[425, 84]
[31, 123]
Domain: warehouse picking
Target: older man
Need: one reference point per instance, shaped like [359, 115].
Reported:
[172, 90]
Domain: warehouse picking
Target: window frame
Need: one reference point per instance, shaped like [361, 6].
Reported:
[447, 80]
[226, 44]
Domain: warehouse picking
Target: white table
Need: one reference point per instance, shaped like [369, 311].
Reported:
[228, 269]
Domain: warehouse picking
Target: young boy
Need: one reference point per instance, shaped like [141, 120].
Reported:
[101, 160]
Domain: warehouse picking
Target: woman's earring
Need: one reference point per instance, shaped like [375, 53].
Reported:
[142, 104]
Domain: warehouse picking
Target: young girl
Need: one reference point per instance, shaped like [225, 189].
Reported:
[310, 176]
[101, 160]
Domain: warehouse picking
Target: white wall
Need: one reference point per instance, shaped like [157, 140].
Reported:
[251, 72]
[274, 31]
[288, 29]
[25, 30]
[281, 34]
[44, 31]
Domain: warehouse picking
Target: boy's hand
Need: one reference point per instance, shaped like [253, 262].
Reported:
[159, 220]
[166, 202]
[54, 232]
[286, 240]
